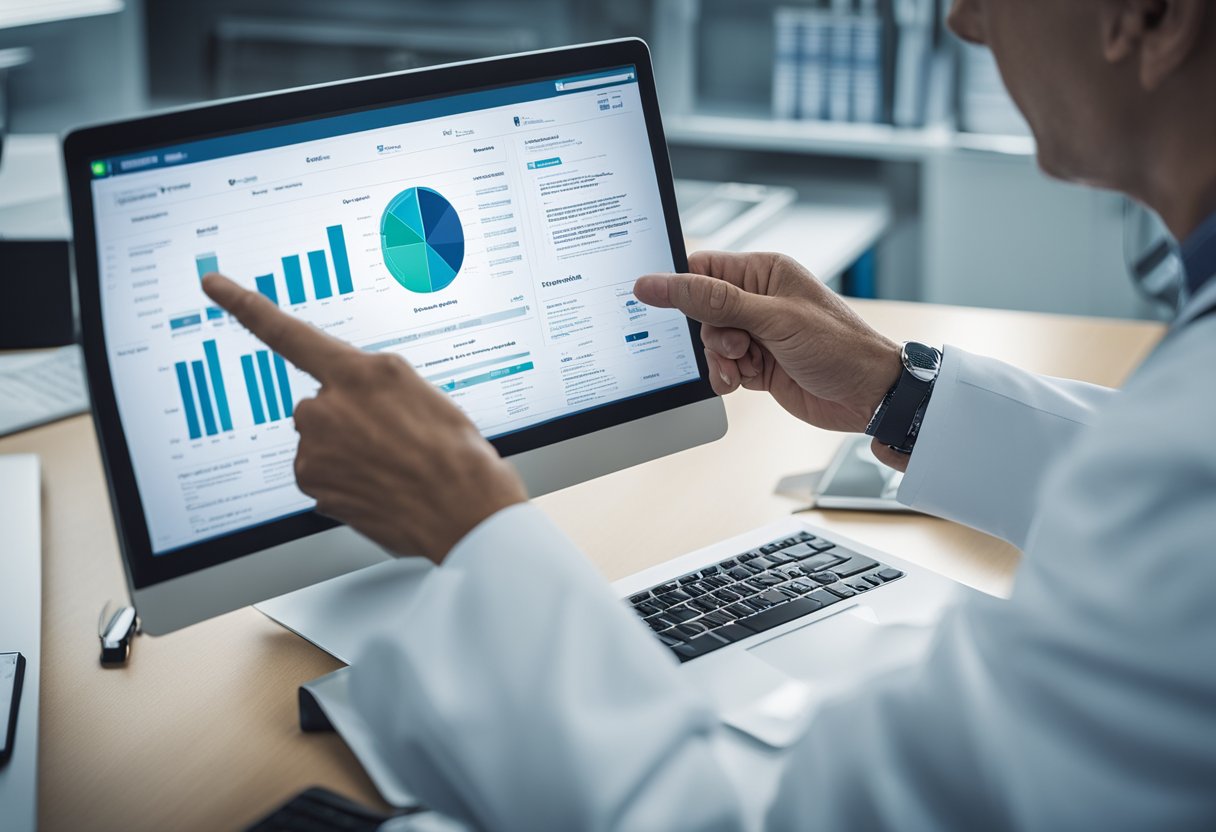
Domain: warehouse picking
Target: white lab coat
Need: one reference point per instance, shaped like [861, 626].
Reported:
[520, 694]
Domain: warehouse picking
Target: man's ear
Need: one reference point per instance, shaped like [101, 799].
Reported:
[1160, 35]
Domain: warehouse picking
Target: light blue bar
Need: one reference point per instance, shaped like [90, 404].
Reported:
[217, 381]
[272, 403]
[214, 313]
[206, 263]
[251, 387]
[204, 398]
[183, 384]
[295, 279]
[545, 163]
[265, 284]
[280, 370]
[185, 321]
[337, 249]
[320, 275]
[482, 378]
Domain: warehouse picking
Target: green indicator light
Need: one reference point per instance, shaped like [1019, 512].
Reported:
[100, 168]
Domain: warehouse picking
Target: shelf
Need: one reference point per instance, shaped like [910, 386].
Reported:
[867, 141]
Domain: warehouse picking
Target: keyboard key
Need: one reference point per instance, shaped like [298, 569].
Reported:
[821, 545]
[825, 577]
[682, 613]
[639, 598]
[824, 597]
[661, 588]
[776, 596]
[718, 618]
[668, 640]
[761, 563]
[769, 579]
[860, 586]
[728, 596]
[801, 587]
[757, 603]
[890, 573]
[740, 573]
[874, 580]
[854, 565]
[732, 633]
[756, 585]
[659, 623]
[705, 603]
[690, 630]
[776, 616]
[709, 571]
[779, 558]
[805, 536]
[646, 610]
[800, 550]
[674, 597]
[740, 609]
[820, 562]
[692, 589]
[771, 547]
[687, 579]
[728, 563]
[699, 646]
[840, 589]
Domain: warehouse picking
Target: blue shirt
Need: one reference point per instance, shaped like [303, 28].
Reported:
[1199, 255]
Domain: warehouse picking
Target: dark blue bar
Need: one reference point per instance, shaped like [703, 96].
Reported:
[325, 128]
[295, 279]
[265, 284]
[337, 249]
[280, 370]
[204, 398]
[217, 381]
[636, 336]
[272, 404]
[251, 387]
[320, 275]
[183, 383]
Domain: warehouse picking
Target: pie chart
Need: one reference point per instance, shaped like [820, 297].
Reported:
[422, 240]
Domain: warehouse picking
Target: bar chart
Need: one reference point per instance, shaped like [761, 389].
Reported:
[204, 398]
[269, 391]
[204, 264]
[325, 283]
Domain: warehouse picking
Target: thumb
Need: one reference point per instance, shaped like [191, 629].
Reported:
[705, 299]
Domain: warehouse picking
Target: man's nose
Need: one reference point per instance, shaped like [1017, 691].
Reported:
[964, 21]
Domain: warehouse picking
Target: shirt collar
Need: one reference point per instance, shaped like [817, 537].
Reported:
[1198, 253]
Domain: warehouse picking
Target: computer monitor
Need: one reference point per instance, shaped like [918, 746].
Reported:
[485, 220]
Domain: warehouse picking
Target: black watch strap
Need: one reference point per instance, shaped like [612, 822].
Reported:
[896, 420]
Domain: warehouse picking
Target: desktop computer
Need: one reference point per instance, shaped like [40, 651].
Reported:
[486, 221]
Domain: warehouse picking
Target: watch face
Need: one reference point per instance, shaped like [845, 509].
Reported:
[921, 361]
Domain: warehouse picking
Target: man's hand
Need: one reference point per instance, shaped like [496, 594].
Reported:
[380, 448]
[769, 324]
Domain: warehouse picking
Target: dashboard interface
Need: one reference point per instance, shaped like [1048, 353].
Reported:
[490, 238]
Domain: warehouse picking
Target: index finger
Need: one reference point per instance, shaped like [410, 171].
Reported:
[302, 344]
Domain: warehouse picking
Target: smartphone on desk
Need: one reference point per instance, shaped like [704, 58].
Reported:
[12, 670]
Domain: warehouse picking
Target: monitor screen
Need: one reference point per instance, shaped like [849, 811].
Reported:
[490, 238]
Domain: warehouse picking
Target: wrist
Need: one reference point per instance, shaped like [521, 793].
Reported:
[885, 369]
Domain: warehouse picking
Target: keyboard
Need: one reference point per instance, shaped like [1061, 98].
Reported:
[754, 591]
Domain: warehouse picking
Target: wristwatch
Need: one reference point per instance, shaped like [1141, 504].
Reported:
[896, 422]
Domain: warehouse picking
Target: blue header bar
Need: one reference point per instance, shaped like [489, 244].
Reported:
[331, 126]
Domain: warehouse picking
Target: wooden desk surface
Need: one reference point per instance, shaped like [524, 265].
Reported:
[200, 732]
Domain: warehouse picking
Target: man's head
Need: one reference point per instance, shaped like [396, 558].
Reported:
[1106, 85]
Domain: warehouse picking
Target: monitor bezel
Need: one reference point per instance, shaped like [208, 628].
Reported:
[145, 568]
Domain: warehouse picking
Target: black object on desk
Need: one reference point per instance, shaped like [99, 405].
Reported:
[36, 282]
[320, 810]
[12, 670]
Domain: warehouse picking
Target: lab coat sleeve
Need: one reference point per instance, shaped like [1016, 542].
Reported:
[990, 434]
[521, 694]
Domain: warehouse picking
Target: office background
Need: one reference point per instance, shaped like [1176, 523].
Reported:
[853, 103]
